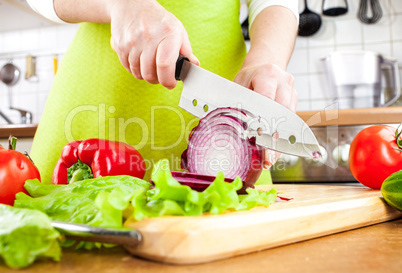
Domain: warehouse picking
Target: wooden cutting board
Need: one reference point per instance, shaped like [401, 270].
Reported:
[314, 211]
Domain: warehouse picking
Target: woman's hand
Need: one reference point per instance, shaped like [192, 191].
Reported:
[148, 39]
[272, 35]
[271, 81]
[274, 83]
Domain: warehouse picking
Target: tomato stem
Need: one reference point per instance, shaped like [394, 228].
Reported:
[12, 143]
[397, 136]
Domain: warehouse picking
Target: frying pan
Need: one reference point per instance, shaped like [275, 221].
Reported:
[10, 74]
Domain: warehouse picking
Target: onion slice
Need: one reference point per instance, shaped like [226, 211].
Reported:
[215, 145]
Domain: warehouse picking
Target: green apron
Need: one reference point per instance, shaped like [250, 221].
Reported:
[93, 96]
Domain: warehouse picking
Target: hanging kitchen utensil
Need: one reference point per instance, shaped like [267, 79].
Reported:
[369, 6]
[334, 11]
[55, 63]
[244, 30]
[10, 74]
[30, 74]
[309, 22]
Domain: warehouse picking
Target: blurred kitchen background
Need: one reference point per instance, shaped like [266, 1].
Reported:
[36, 46]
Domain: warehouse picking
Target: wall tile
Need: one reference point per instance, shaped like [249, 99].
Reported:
[379, 32]
[302, 87]
[12, 41]
[397, 27]
[2, 41]
[349, 47]
[299, 62]
[315, 56]
[29, 39]
[48, 37]
[397, 52]
[321, 104]
[396, 6]
[318, 87]
[303, 106]
[65, 34]
[382, 48]
[301, 42]
[348, 32]
[325, 35]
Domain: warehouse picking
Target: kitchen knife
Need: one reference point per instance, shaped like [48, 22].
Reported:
[273, 125]
[80, 232]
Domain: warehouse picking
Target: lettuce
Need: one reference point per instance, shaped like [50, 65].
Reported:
[169, 197]
[26, 235]
[82, 202]
[26, 232]
[107, 201]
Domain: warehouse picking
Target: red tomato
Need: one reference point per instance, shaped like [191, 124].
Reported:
[374, 155]
[15, 169]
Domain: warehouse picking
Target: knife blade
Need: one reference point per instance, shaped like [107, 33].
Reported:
[273, 125]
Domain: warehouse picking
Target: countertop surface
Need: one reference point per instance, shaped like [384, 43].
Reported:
[376, 248]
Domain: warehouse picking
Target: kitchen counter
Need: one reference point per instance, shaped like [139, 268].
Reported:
[375, 248]
[18, 130]
[361, 116]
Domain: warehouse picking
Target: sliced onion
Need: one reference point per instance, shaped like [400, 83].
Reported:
[215, 146]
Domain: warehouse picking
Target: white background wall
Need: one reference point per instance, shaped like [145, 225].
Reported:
[344, 32]
[45, 43]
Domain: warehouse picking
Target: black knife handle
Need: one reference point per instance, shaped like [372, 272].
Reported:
[179, 66]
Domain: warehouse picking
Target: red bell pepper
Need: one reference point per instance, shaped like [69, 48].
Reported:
[97, 157]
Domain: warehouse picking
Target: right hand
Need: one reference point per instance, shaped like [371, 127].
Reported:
[148, 40]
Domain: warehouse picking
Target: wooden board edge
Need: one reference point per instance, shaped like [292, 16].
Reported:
[174, 247]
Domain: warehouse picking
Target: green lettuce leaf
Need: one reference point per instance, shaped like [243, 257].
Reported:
[26, 235]
[83, 202]
[169, 197]
[109, 201]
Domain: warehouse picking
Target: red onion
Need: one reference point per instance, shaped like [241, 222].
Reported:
[216, 145]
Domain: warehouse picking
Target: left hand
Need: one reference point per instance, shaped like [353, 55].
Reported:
[273, 82]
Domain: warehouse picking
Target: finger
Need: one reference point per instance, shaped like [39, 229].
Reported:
[270, 158]
[284, 96]
[187, 51]
[166, 57]
[264, 85]
[121, 54]
[134, 63]
[286, 92]
[148, 65]
[293, 103]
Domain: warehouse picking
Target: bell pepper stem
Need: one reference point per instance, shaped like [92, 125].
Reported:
[79, 171]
